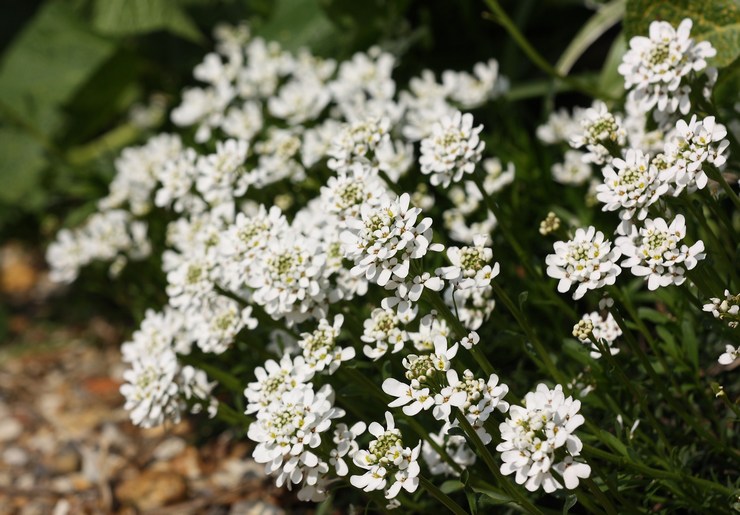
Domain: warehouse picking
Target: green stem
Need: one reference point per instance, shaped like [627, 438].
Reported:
[637, 396]
[500, 16]
[518, 250]
[656, 473]
[458, 329]
[689, 418]
[441, 496]
[550, 366]
[484, 453]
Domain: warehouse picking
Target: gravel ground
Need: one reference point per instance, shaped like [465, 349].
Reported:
[66, 444]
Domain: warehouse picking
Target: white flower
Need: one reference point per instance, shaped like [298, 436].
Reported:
[727, 308]
[694, 144]
[538, 438]
[387, 460]
[452, 150]
[382, 329]
[654, 67]
[470, 268]
[605, 330]
[320, 348]
[574, 170]
[587, 260]
[345, 445]
[275, 379]
[496, 178]
[655, 252]
[729, 356]
[631, 185]
[356, 142]
[299, 100]
[601, 133]
[455, 446]
[243, 122]
[430, 326]
[471, 91]
[561, 126]
[289, 428]
[289, 280]
[384, 239]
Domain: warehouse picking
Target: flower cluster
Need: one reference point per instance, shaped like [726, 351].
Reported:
[658, 69]
[587, 260]
[603, 330]
[387, 461]
[654, 252]
[538, 439]
[727, 308]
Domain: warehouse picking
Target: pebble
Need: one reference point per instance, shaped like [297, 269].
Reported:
[15, 457]
[255, 508]
[152, 489]
[10, 429]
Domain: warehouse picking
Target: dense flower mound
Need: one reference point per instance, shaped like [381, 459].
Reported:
[657, 69]
[538, 439]
[587, 260]
[336, 247]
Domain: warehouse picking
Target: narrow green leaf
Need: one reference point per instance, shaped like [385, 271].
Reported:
[570, 501]
[452, 485]
[605, 18]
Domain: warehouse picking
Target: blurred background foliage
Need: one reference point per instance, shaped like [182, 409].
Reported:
[74, 72]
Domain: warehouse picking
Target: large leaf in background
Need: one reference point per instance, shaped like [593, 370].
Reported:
[21, 163]
[716, 21]
[300, 23]
[53, 56]
[128, 17]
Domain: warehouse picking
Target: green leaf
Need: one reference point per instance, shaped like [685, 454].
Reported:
[128, 17]
[452, 485]
[21, 163]
[46, 64]
[610, 81]
[613, 442]
[491, 497]
[606, 17]
[716, 21]
[570, 501]
[300, 23]
[690, 342]
[652, 315]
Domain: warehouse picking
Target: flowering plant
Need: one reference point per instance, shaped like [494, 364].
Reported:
[345, 236]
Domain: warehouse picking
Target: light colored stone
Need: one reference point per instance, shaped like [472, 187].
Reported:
[10, 429]
[255, 508]
[169, 448]
[152, 489]
[15, 456]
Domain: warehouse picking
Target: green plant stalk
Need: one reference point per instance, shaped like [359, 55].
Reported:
[716, 209]
[518, 250]
[550, 366]
[500, 17]
[721, 249]
[638, 396]
[656, 473]
[458, 329]
[111, 141]
[441, 496]
[688, 418]
[485, 454]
